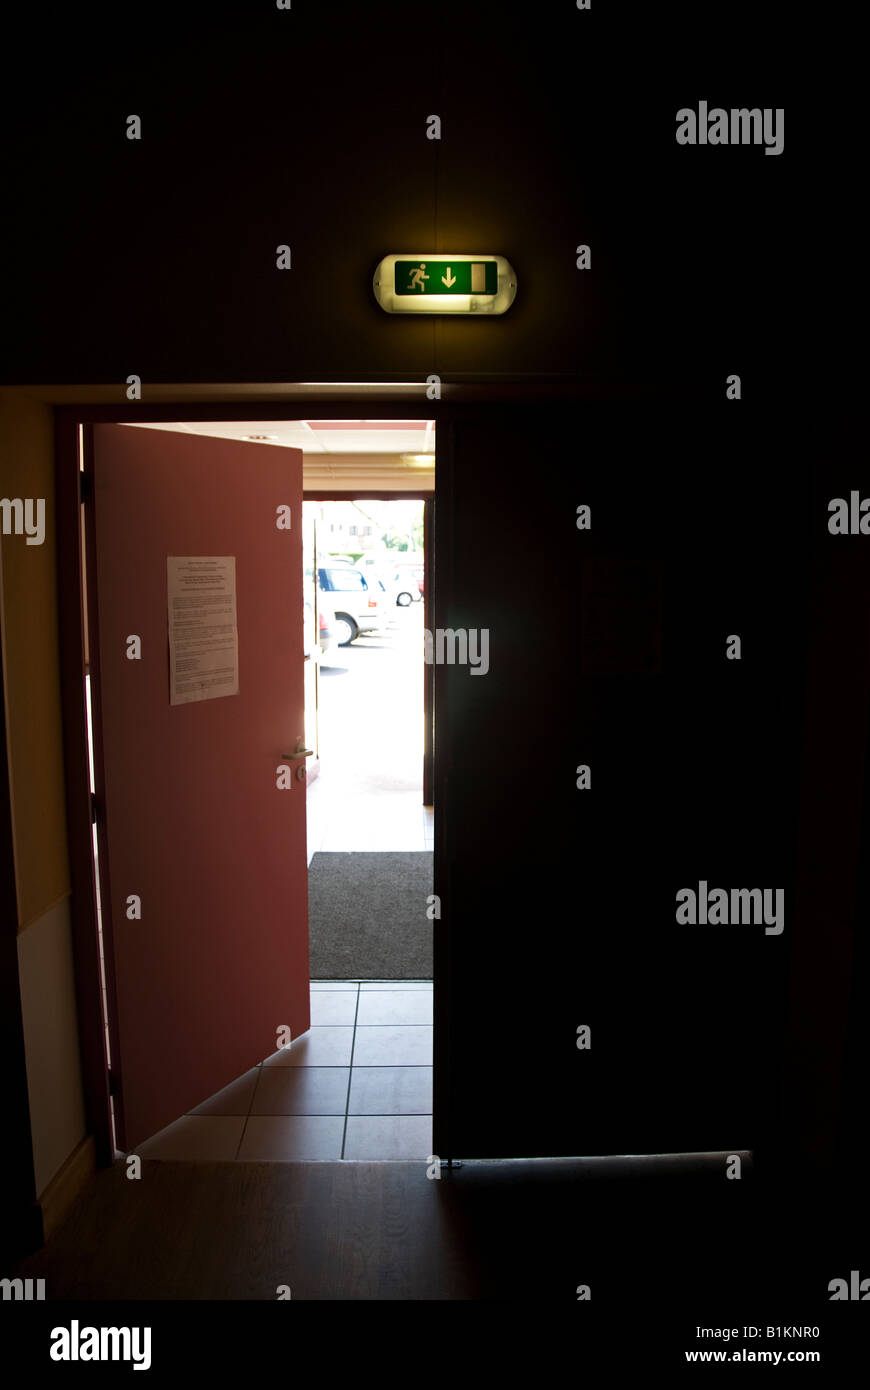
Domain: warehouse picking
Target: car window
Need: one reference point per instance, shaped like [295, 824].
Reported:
[345, 581]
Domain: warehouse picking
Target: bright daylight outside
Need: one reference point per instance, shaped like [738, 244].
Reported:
[368, 828]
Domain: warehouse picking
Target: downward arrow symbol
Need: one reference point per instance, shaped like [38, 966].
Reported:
[448, 279]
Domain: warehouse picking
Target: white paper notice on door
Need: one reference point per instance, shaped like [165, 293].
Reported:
[203, 632]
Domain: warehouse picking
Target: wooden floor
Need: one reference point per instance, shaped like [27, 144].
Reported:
[521, 1230]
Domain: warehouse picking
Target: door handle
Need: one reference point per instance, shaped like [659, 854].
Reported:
[301, 751]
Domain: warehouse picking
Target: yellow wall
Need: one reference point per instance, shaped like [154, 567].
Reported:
[32, 674]
[51, 1042]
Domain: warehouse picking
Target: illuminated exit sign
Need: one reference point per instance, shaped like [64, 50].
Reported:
[443, 277]
[438, 283]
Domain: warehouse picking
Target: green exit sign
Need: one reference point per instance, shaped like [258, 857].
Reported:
[446, 277]
[444, 282]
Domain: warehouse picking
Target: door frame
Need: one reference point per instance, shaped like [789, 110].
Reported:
[70, 423]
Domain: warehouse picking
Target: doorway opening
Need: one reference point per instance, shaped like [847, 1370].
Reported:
[357, 1083]
[365, 715]
[370, 829]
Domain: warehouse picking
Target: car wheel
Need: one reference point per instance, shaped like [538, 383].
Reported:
[403, 600]
[346, 629]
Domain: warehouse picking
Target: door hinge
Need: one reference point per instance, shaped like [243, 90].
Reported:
[114, 1082]
[86, 486]
[93, 809]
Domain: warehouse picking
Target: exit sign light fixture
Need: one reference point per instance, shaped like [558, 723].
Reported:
[434, 282]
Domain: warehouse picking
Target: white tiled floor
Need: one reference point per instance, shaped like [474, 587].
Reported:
[357, 1085]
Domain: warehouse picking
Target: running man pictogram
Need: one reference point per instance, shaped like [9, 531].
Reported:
[417, 277]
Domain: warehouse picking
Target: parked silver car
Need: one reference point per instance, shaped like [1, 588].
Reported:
[406, 583]
[360, 601]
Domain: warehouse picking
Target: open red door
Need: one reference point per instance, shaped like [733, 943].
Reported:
[196, 549]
